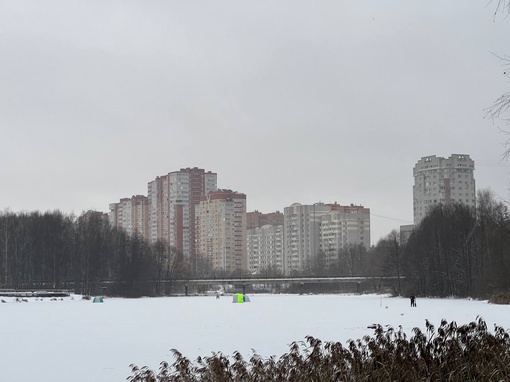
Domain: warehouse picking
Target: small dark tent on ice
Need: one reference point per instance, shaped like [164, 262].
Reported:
[240, 298]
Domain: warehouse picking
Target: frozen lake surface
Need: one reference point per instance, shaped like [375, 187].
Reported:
[77, 340]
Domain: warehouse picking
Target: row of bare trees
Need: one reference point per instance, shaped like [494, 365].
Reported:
[455, 251]
[352, 260]
[54, 250]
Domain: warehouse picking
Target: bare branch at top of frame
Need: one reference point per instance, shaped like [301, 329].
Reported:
[502, 6]
[501, 105]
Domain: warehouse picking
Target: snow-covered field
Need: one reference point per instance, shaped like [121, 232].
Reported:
[77, 340]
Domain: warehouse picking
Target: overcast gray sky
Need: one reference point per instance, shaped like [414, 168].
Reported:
[287, 101]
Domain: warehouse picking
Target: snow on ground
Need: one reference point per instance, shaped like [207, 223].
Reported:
[77, 340]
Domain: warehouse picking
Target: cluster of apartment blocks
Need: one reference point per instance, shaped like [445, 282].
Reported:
[186, 210]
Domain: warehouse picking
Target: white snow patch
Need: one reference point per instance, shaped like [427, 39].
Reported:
[76, 340]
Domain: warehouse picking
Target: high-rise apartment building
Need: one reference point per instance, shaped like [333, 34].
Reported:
[131, 214]
[265, 242]
[172, 199]
[187, 186]
[342, 227]
[221, 230]
[442, 181]
[115, 214]
[301, 234]
[326, 228]
[158, 194]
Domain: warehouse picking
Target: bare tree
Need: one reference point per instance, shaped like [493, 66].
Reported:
[501, 106]
[350, 260]
[502, 6]
[391, 248]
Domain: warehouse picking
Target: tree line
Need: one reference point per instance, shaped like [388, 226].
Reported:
[454, 251]
[54, 250]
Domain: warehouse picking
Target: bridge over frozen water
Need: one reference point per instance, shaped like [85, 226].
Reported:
[244, 281]
[178, 286]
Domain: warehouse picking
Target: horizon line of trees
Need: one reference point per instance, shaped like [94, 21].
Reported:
[454, 251]
[54, 250]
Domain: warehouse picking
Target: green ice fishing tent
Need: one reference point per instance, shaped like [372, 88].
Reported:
[240, 298]
[98, 299]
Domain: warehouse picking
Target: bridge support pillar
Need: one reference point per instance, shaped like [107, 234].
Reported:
[300, 288]
[186, 289]
[244, 288]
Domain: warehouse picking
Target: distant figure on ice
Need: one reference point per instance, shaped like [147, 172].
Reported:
[413, 300]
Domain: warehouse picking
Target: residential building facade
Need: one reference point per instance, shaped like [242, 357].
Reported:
[158, 193]
[343, 227]
[221, 230]
[322, 228]
[265, 242]
[301, 234]
[131, 214]
[186, 187]
[406, 231]
[172, 201]
[442, 181]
